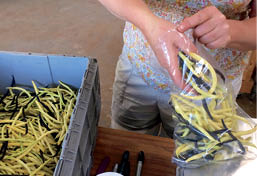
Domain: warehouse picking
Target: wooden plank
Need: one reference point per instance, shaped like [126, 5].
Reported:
[250, 67]
[247, 83]
[158, 151]
[247, 86]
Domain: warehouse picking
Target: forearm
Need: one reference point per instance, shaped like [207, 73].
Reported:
[243, 34]
[134, 11]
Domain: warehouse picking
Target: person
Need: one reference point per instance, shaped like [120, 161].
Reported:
[154, 33]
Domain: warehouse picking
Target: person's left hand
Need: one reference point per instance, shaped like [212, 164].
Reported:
[210, 27]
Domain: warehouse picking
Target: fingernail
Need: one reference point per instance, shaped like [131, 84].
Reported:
[181, 27]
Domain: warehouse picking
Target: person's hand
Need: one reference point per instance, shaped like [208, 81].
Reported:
[210, 26]
[166, 42]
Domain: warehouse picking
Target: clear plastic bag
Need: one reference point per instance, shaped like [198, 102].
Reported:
[239, 166]
[209, 128]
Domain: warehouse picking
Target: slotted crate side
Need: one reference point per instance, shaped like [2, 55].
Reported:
[95, 106]
[70, 163]
[88, 151]
[87, 163]
[83, 143]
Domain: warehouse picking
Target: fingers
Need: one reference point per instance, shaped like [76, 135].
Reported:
[197, 19]
[217, 38]
[206, 27]
[210, 27]
[211, 36]
[209, 17]
[174, 71]
[184, 44]
[167, 56]
[219, 43]
[176, 75]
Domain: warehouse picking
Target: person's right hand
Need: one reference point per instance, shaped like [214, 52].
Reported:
[161, 34]
[166, 42]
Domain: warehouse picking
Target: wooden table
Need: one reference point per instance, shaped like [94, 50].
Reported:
[158, 151]
[249, 75]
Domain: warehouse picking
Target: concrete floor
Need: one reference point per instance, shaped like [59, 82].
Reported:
[80, 28]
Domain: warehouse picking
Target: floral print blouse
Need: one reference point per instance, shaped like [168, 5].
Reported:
[143, 60]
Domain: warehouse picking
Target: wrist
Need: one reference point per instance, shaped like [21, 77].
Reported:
[234, 27]
[243, 34]
[148, 23]
[156, 26]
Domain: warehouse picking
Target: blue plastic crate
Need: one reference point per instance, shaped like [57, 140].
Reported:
[79, 72]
